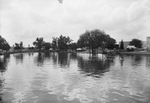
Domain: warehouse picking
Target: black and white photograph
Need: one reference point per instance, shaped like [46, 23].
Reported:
[74, 51]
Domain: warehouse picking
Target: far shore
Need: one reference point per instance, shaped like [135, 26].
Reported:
[136, 53]
[31, 51]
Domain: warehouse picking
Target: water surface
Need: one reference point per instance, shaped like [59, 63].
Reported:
[74, 78]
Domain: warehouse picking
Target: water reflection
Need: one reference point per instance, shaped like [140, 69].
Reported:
[54, 58]
[3, 67]
[64, 59]
[39, 59]
[148, 61]
[47, 55]
[73, 56]
[19, 57]
[93, 66]
[74, 78]
[136, 60]
[61, 58]
[121, 58]
[3, 62]
[30, 54]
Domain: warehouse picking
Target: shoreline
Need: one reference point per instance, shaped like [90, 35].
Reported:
[33, 51]
[136, 53]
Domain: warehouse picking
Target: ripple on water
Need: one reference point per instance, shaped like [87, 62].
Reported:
[83, 79]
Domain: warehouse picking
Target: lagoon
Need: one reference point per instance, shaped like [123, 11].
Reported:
[74, 78]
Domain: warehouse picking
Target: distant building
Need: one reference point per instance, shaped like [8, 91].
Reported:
[126, 44]
[148, 43]
[144, 44]
[131, 48]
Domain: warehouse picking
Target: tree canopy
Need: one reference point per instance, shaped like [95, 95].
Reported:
[55, 43]
[63, 42]
[136, 42]
[73, 46]
[38, 43]
[4, 44]
[47, 45]
[95, 39]
[18, 45]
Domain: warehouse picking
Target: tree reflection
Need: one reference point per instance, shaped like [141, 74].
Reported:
[47, 55]
[1, 101]
[63, 59]
[30, 54]
[93, 66]
[147, 60]
[19, 57]
[110, 61]
[136, 60]
[73, 56]
[121, 58]
[3, 63]
[39, 59]
[3, 67]
[54, 57]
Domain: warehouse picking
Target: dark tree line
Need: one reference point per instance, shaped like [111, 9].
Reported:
[58, 43]
[4, 44]
[90, 39]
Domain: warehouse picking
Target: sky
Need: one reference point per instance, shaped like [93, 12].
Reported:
[25, 20]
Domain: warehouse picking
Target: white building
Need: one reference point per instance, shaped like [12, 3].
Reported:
[148, 43]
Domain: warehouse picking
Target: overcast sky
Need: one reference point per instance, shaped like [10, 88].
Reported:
[24, 20]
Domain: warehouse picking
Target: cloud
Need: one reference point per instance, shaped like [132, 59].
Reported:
[27, 19]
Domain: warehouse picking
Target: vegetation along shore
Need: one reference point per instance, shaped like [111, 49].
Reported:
[94, 41]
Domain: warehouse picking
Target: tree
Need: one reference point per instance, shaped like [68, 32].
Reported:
[110, 42]
[38, 43]
[84, 40]
[121, 45]
[55, 43]
[95, 39]
[136, 42]
[63, 42]
[73, 46]
[47, 45]
[21, 45]
[4, 44]
[18, 45]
